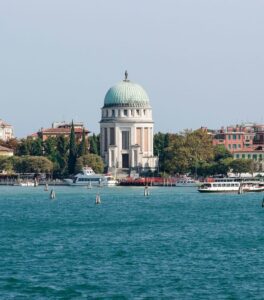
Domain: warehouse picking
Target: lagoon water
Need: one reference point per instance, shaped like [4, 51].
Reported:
[175, 244]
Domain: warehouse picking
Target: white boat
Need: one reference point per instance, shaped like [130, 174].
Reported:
[25, 183]
[89, 178]
[252, 186]
[187, 182]
[111, 181]
[220, 187]
[225, 185]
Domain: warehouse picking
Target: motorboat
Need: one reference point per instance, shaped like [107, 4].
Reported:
[111, 180]
[187, 182]
[89, 178]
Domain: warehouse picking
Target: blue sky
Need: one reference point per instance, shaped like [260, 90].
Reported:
[201, 62]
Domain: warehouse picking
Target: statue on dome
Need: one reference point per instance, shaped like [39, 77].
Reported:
[126, 75]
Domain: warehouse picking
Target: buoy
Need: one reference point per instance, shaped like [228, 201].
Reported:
[46, 187]
[35, 182]
[52, 194]
[146, 191]
[97, 199]
[240, 189]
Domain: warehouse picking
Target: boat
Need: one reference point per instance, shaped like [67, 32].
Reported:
[187, 182]
[89, 178]
[111, 181]
[225, 185]
[220, 187]
[25, 183]
[252, 186]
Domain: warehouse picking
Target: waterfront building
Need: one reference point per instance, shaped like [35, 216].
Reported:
[6, 131]
[244, 141]
[4, 151]
[126, 128]
[62, 129]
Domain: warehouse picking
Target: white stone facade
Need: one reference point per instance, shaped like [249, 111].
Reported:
[127, 133]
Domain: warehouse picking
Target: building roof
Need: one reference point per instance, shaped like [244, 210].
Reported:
[5, 149]
[62, 130]
[126, 93]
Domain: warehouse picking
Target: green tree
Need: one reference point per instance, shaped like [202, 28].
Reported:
[220, 152]
[94, 144]
[6, 164]
[62, 156]
[23, 147]
[241, 165]
[36, 147]
[72, 152]
[92, 160]
[161, 142]
[83, 147]
[50, 148]
[32, 164]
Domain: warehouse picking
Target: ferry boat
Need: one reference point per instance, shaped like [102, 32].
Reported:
[89, 178]
[221, 187]
[224, 185]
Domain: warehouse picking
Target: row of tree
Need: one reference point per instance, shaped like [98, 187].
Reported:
[61, 156]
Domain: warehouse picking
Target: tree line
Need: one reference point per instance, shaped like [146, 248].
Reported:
[187, 152]
[59, 156]
[193, 152]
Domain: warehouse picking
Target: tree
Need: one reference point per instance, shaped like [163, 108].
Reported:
[32, 164]
[50, 148]
[62, 156]
[186, 151]
[30, 146]
[36, 147]
[6, 164]
[72, 152]
[241, 165]
[220, 152]
[23, 147]
[94, 143]
[161, 142]
[92, 160]
[83, 147]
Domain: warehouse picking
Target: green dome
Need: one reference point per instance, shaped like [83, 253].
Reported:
[126, 93]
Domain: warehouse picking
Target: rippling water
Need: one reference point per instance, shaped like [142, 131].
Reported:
[175, 244]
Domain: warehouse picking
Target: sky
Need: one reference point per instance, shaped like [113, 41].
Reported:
[200, 61]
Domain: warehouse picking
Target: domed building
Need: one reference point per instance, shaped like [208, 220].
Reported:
[127, 128]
